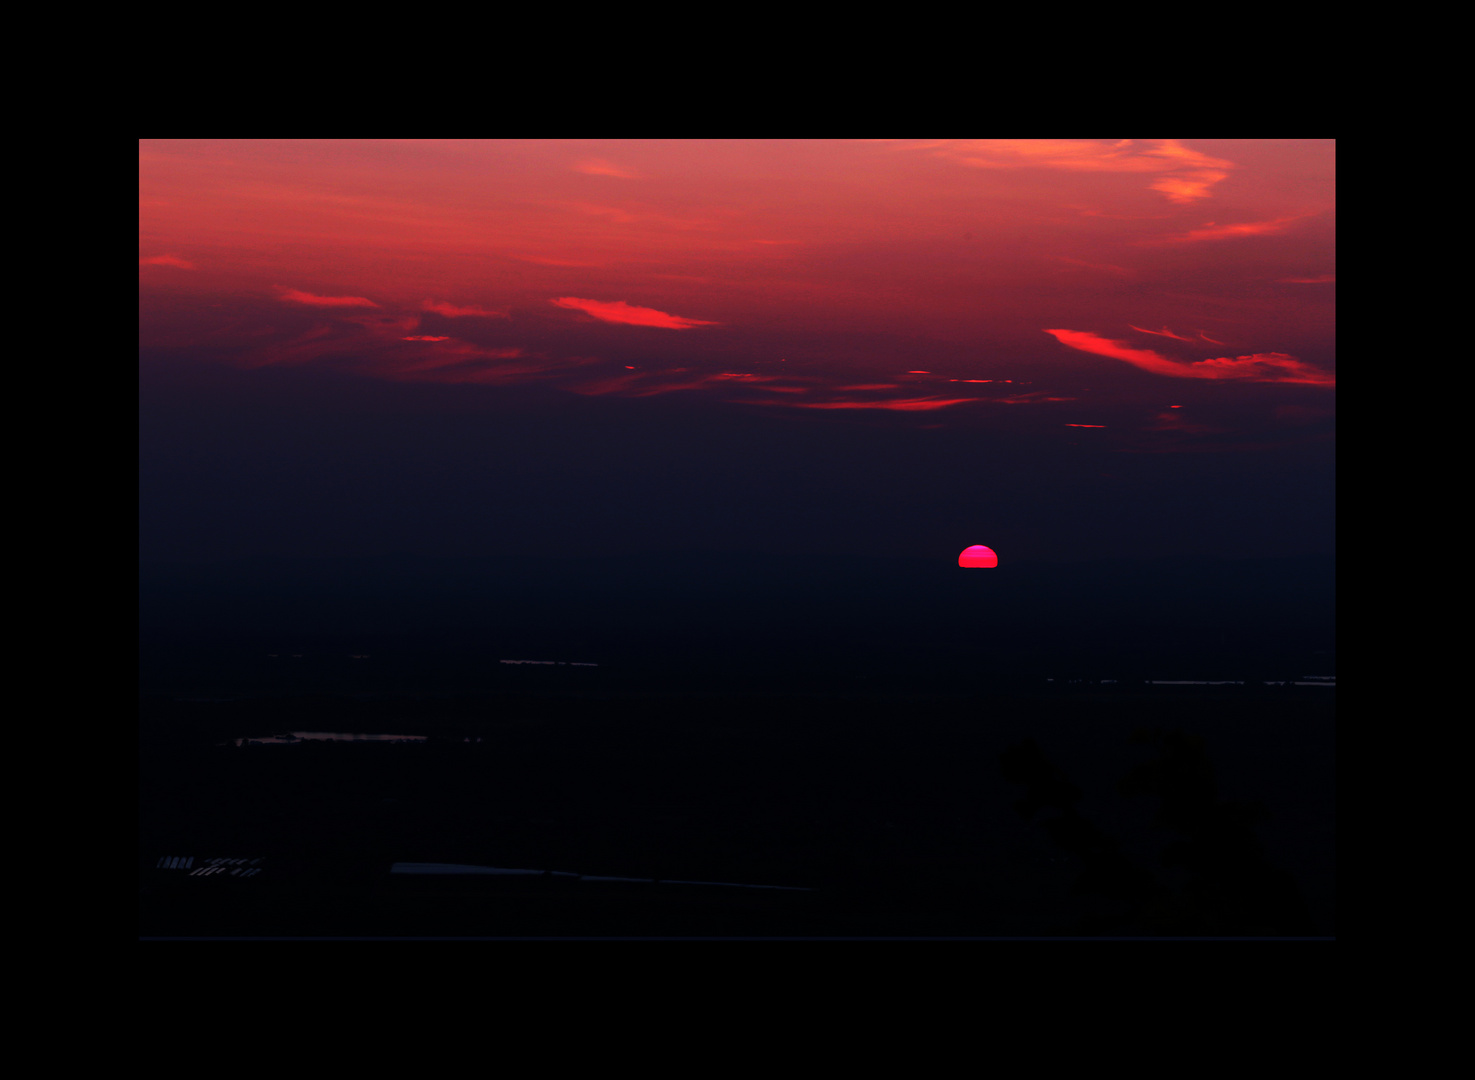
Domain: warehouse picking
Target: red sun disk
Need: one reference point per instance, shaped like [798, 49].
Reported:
[979, 556]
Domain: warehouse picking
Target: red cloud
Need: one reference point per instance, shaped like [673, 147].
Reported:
[166, 260]
[1188, 174]
[1259, 367]
[620, 312]
[1196, 175]
[425, 337]
[1186, 187]
[299, 297]
[900, 404]
[1164, 332]
[1324, 279]
[641, 385]
[452, 311]
[1212, 231]
[648, 384]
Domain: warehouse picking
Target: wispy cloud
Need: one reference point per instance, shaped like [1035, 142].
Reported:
[644, 384]
[1034, 398]
[1164, 332]
[651, 383]
[617, 214]
[388, 346]
[1239, 230]
[1186, 175]
[794, 392]
[297, 296]
[618, 311]
[1195, 174]
[601, 167]
[896, 404]
[165, 260]
[1258, 367]
[455, 311]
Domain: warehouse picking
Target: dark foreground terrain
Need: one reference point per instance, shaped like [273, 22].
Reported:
[1114, 810]
[881, 737]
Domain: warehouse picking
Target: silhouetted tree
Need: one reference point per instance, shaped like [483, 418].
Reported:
[1106, 871]
[1231, 888]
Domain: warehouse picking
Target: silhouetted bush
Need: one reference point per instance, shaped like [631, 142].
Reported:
[1230, 888]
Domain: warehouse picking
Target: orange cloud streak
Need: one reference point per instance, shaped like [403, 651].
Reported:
[1259, 367]
[299, 297]
[899, 404]
[620, 312]
[452, 311]
[1212, 231]
[1190, 175]
[1164, 332]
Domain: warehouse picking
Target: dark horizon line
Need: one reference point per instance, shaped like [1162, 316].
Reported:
[653, 553]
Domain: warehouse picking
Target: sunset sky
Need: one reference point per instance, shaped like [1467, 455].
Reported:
[1062, 349]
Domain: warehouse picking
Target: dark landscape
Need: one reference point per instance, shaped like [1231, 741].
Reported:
[899, 765]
